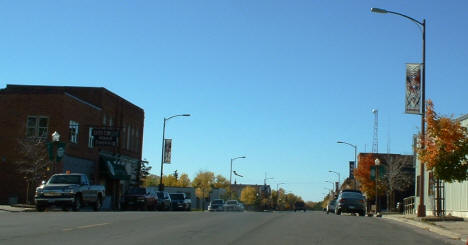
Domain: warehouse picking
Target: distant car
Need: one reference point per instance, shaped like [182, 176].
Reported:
[233, 205]
[180, 202]
[163, 201]
[350, 202]
[216, 205]
[299, 205]
[331, 206]
[140, 198]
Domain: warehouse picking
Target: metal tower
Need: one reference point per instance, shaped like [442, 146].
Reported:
[375, 141]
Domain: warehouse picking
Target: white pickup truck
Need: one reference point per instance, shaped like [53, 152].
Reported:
[69, 190]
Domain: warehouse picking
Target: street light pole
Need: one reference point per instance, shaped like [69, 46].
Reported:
[339, 179]
[230, 176]
[161, 187]
[355, 157]
[277, 194]
[422, 206]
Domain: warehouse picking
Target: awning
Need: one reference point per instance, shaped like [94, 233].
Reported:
[113, 169]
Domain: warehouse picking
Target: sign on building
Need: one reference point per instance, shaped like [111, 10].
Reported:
[167, 150]
[413, 89]
[105, 136]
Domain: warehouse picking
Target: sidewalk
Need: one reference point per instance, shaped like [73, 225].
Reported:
[17, 208]
[457, 230]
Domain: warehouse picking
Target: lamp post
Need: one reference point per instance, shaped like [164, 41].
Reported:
[339, 179]
[230, 176]
[422, 206]
[161, 186]
[355, 156]
[277, 194]
[56, 140]
[377, 164]
[333, 184]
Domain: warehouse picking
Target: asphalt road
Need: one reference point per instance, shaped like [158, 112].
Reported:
[192, 228]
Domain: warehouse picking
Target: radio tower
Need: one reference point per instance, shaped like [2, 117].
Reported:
[375, 141]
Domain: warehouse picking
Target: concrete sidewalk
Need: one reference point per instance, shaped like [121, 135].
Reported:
[457, 230]
[17, 208]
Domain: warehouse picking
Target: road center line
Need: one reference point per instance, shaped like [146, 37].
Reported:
[86, 226]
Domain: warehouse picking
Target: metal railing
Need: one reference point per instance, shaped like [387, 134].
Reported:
[408, 205]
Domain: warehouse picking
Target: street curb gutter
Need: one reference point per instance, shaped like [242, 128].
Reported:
[429, 227]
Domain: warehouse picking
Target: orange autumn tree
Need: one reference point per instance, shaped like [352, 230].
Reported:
[446, 147]
[362, 174]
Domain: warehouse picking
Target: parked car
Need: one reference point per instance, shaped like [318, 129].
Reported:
[69, 190]
[163, 201]
[350, 202]
[331, 206]
[216, 205]
[299, 205]
[233, 205]
[180, 202]
[140, 198]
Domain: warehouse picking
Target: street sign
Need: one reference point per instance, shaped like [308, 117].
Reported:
[105, 136]
[381, 173]
[167, 150]
[56, 151]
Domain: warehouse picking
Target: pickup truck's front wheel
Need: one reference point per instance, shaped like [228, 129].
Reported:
[98, 204]
[77, 203]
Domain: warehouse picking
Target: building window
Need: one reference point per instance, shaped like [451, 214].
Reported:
[37, 126]
[74, 126]
[90, 138]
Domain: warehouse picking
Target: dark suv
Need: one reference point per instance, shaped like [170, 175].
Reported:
[351, 202]
[299, 205]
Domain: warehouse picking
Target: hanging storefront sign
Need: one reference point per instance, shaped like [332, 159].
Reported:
[413, 89]
[167, 150]
[351, 169]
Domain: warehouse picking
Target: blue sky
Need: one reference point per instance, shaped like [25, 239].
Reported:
[277, 81]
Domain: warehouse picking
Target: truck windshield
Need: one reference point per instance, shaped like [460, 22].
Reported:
[177, 196]
[65, 179]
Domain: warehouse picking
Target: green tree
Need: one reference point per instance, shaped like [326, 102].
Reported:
[203, 183]
[248, 195]
[183, 181]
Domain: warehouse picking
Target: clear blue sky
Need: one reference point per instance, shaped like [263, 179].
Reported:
[277, 81]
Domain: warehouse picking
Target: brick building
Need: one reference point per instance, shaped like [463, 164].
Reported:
[33, 113]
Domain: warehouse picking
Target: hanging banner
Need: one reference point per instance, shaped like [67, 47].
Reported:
[351, 169]
[167, 150]
[413, 89]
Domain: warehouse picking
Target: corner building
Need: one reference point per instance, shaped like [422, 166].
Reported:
[35, 112]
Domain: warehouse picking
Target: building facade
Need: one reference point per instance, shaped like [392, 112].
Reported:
[454, 195]
[80, 115]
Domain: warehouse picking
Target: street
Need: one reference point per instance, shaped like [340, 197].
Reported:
[206, 228]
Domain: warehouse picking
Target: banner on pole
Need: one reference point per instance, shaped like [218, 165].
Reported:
[167, 150]
[351, 169]
[413, 89]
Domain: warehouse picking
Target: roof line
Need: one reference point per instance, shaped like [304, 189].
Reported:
[82, 101]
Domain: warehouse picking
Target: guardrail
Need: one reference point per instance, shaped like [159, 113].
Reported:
[408, 205]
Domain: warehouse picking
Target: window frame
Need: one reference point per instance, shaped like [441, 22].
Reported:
[73, 136]
[37, 127]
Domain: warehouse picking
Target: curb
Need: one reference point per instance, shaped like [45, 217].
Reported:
[429, 227]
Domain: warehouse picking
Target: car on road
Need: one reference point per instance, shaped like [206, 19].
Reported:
[233, 205]
[69, 190]
[299, 205]
[163, 201]
[216, 205]
[179, 201]
[331, 206]
[140, 198]
[350, 202]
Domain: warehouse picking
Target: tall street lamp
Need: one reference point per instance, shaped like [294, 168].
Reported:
[230, 176]
[333, 184]
[277, 194]
[377, 164]
[421, 207]
[161, 186]
[339, 179]
[355, 156]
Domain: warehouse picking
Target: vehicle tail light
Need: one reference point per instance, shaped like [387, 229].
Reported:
[342, 200]
[361, 201]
